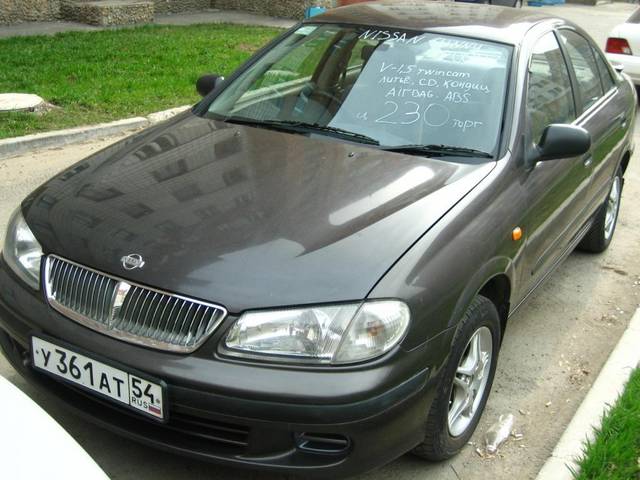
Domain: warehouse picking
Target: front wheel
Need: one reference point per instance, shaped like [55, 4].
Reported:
[599, 236]
[464, 384]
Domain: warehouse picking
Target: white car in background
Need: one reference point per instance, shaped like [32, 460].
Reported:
[623, 46]
[33, 446]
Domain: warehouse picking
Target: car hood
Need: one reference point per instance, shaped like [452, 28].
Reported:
[245, 217]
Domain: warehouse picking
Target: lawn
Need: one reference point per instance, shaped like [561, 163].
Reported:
[615, 453]
[113, 74]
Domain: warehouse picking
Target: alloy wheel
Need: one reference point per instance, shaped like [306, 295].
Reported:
[613, 202]
[470, 381]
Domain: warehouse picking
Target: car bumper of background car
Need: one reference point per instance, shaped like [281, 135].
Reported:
[631, 65]
[316, 423]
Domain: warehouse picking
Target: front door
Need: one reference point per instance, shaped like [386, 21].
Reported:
[554, 189]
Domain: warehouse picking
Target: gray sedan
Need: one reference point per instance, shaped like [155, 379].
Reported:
[312, 270]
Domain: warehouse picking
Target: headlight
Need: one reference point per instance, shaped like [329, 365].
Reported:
[324, 334]
[22, 252]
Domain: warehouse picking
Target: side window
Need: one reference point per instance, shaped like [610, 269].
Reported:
[549, 94]
[584, 66]
[605, 72]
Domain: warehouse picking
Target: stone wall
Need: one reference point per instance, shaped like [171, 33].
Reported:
[273, 8]
[12, 11]
[177, 6]
[108, 12]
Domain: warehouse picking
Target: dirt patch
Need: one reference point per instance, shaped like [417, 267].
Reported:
[619, 271]
[247, 47]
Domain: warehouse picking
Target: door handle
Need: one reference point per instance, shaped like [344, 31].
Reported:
[622, 118]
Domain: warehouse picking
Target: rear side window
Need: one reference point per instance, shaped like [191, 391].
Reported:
[605, 73]
[549, 95]
[584, 65]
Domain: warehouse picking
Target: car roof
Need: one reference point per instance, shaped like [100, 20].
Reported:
[502, 24]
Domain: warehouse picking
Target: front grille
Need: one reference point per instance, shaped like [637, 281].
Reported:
[233, 435]
[181, 426]
[184, 430]
[128, 311]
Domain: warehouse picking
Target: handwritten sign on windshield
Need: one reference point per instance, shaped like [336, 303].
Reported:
[428, 89]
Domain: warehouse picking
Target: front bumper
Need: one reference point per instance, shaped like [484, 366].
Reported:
[318, 422]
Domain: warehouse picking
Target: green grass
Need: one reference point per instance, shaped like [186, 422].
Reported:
[107, 75]
[615, 453]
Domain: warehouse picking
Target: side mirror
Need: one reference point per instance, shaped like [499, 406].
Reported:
[208, 83]
[561, 141]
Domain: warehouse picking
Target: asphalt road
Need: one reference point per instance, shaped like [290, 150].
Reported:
[553, 350]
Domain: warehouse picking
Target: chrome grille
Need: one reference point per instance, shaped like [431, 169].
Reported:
[128, 311]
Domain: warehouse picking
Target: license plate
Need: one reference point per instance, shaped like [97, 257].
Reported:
[118, 385]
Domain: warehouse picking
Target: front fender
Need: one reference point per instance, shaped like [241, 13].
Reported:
[441, 274]
[494, 267]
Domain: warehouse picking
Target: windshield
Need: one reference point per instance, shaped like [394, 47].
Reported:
[390, 88]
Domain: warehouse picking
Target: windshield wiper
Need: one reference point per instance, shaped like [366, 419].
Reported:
[272, 124]
[442, 150]
[300, 127]
[340, 132]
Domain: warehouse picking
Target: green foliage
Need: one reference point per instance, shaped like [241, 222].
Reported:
[113, 74]
[615, 454]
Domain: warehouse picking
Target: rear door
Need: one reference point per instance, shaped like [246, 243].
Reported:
[600, 112]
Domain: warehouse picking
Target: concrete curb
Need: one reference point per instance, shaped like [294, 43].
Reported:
[603, 394]
[11, 147]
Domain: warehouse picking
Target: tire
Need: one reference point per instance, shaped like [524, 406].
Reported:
[599, 236]
[443, 438]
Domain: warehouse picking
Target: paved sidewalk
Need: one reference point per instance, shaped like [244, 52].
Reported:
[189, 18]
[224, 16]
[597, 21]
[609, 14]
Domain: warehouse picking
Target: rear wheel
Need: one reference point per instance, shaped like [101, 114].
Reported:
[464, 384]
[599, 236]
